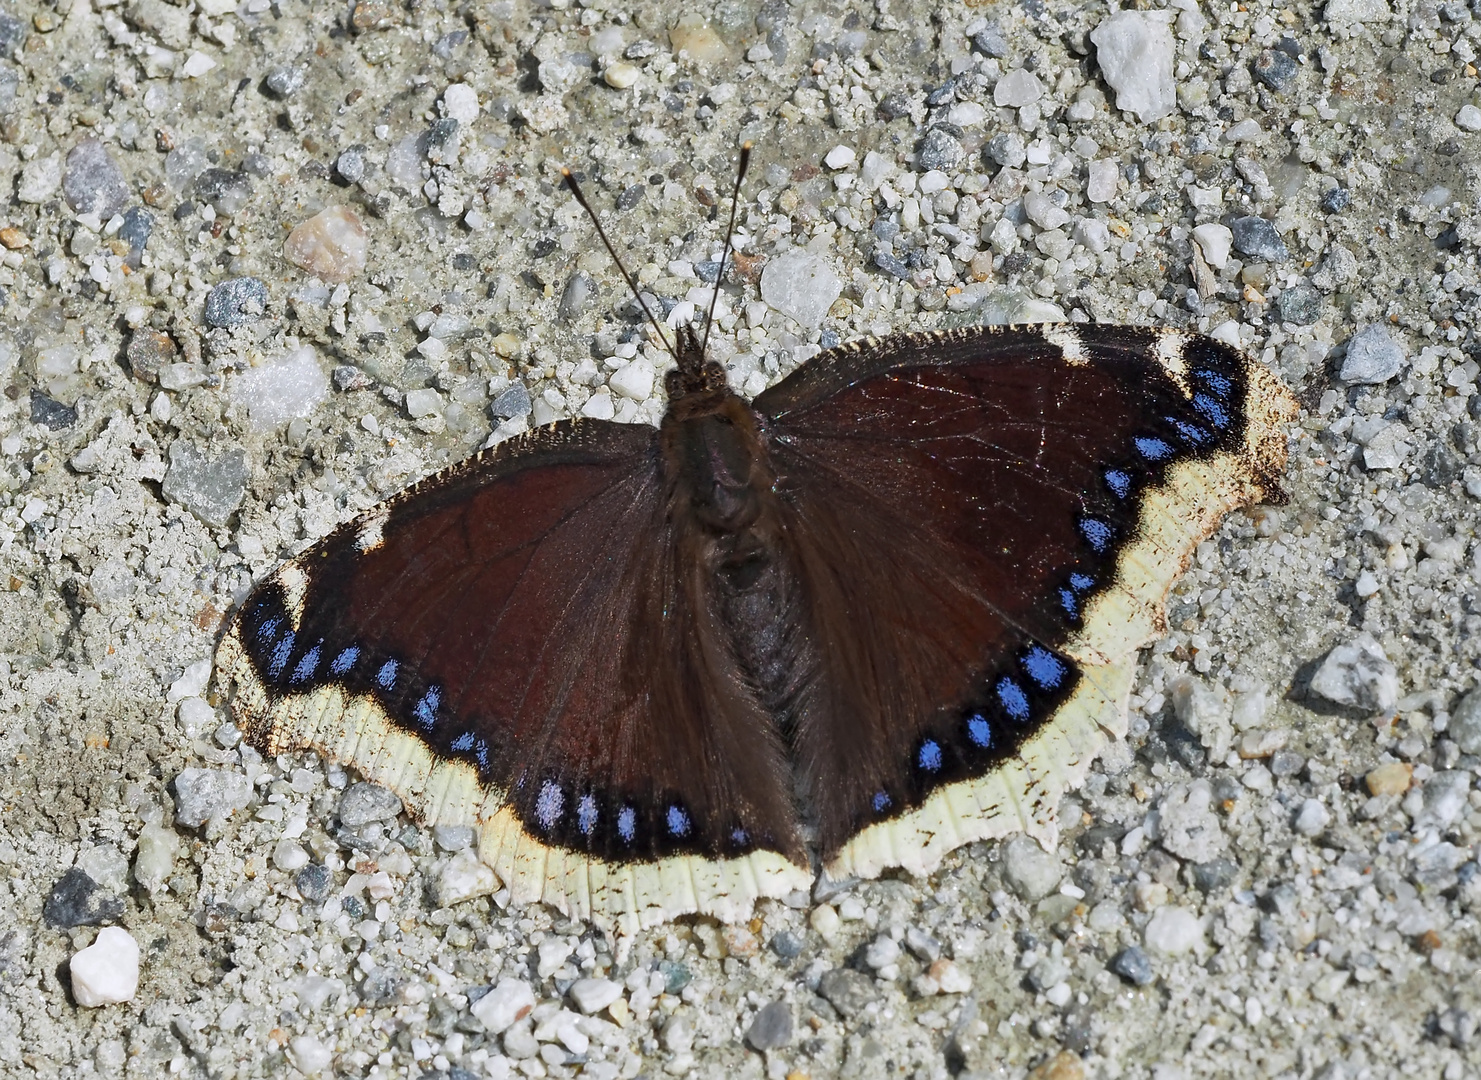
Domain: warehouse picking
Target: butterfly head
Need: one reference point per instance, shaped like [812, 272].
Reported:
[696, 379]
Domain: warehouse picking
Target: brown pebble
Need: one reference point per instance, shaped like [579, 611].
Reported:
[330, 245]
[1391, 779]
[13, 238]
[1065, 1065]
[740, 942]
[148, 351]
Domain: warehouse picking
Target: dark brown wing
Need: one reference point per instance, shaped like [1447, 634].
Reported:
[983, 519]
[528, 616]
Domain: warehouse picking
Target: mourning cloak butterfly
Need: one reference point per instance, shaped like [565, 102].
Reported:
[888, 607]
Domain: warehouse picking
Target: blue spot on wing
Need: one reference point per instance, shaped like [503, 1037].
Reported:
[425, 710]
[345, 660]
[386, 676]
[929, 757]
[627, 824]
[1013, 699]
[481, 753]
[739, 837]
[1152, 448]
[979, 730]
[1044, 667]
[1220, 384]
[1211, 410]
[304, 669]
[1097, 534]
[586, 814]
[881, 802]
[1081, 581]
[464, 741]
[1119, 482]
[1191, 433]
[280, 655]
[549, 804]
[678, 820]
[268, 630]
[1070, 602]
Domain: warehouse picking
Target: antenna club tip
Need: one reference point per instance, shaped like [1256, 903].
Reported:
[565, 171]
[747, 145]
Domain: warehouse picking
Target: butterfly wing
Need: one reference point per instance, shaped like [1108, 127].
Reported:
[513, 643]
[987, 523]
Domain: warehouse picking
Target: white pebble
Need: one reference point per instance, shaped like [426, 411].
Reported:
[620, 76]
[460, 102]
[289, 386]
[507, 1003]
[196, 65]
[1214, 242]
[107, 971]
[1135, 51]
[634, 379]
[289, 856]
[1312, 818]
[1101, 179]
[594, 995]
[1173, 931]
[1017, 88]
[308, 1055]
[1469, 118]
[840, 157]
[463, 877]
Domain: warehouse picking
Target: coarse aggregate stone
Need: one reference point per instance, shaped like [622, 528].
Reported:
[1275, 874]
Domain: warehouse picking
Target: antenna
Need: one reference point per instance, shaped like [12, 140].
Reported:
[740, 174]
[570, 182]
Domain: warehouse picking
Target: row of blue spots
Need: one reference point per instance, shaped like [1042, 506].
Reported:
[929, 756]
[386, 676]
[1012, 698]
[345, 660]
[881, 801]
[466, 741]
[1119, 482]
[1222, 385]
[1191, 432]
[1152, 448]
[1211, 410]
[550, 805]
[979, 731]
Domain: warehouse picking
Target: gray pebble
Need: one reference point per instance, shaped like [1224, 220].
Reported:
[887, 262]
[1299, 304]
[1286, 763]
[1132, 965]
[453, 837]
[1372, 356]
[922, 945]
[364, 802]
[940, 150]
[138, 225]
[149, 350]
[93, 182]
[640, 50]
[285, 80]
[893, 107]
[78, 900]
[1030, 871]
[786, 945]
[847, 991]
[1214, 874]
[990, 42]
[350, 165]
[1336, 200]
[1465, 723]
[1358, 675]
[1049, 971]
[1257, 237]
[771, 1028]
[51, 413]
[314, 881]
[12, 33]
[513, 400]
[347, 377]
[225, 189]
[1275, 69]
[236, 301]
[1007, 149]
[203, 794]
[1445, 798]
[578, 293]
[210, 488]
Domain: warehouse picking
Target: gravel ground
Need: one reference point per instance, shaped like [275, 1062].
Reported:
[1274, 876]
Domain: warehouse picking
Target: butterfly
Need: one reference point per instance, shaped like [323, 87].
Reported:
[888, 607]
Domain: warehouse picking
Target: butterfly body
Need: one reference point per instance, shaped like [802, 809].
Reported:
[888, 607]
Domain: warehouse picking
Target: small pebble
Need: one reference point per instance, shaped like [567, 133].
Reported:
[236, 301]
[77, 900]
[1373, 356]
[1312, 819]
[771, 1027]
[285, 80]
[1275, 69]
[1017, 88]
[1465, 723]
[882, 952]
[314, 882]
[226, 190]
[1359, 675]
[93, 183]
[940, 150]
[462, 877]
[800, 285]
[210, 488]
[203, 794]
[460, 102]
[107, 971]
[285, 387]
[308, 1055]
[594, 995]
[1257, 237]
[621, 76]
[1172, 931]
[1029, 870]
[289, 856]
[154, 858]
[840, 157]
[1468, 118]
[847, 991]
[1336, 199]
[1392, 778]
[507, 1003]
[148, 351]
[1299, 304]
[363, 802]
[1135, 51]
[787, 945]
[1133, 965]
[950, 976]
[332, 245]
